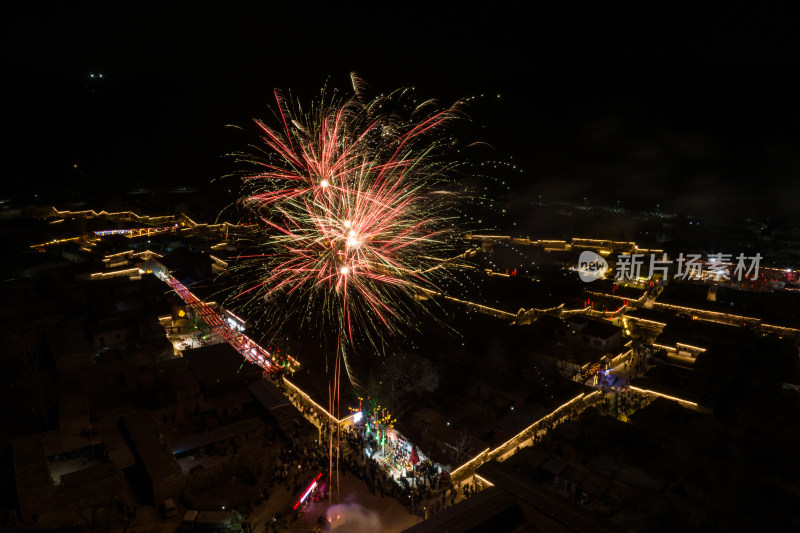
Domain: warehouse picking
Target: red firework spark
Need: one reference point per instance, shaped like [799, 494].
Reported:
[351, 194]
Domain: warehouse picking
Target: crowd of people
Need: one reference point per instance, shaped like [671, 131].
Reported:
[391, 471]
[625, 402]
[618, 398]
[424, 488]
[425, 494]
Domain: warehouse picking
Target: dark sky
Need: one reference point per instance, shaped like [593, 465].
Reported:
[696, 110]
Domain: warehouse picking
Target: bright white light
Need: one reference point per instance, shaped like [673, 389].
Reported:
[307, 492]
[324, 183]
[346, 223]
[357, 417]
[345, 270]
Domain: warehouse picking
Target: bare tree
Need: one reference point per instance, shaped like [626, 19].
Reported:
[421, 376]
[401, 377]
[427, 377]
[462, 449]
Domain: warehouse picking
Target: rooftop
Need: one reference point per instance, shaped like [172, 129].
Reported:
[151, 447]
[220, 369]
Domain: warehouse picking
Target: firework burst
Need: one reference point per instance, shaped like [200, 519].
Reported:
[354, 202]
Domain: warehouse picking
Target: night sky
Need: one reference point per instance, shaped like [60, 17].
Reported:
[697, 111]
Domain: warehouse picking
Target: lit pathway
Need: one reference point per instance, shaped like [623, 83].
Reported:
[241, 342]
